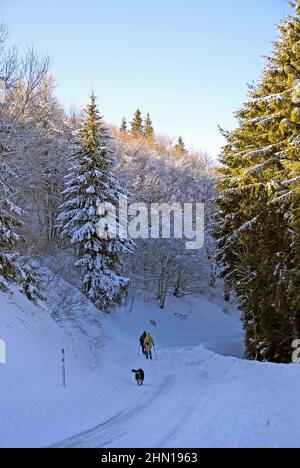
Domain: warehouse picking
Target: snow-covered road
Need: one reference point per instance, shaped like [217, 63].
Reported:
[195, 398]
[173, 400]
[113, 430]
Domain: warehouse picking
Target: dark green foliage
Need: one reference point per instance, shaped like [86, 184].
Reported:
[137, 124]
[148, 128]
[180, 146]
[258, 223]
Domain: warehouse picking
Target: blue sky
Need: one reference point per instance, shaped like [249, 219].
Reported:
[186, 62]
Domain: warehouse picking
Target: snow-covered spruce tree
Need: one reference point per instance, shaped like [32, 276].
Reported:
[258, 223]
[10, 215]
[32, 281]
[89, 184]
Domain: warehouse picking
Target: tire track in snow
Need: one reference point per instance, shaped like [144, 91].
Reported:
[171, 436]
[111, 429]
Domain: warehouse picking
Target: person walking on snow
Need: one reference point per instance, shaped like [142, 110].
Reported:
[148, 344]
[142, 338]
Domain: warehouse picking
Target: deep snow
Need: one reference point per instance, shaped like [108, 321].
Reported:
[195, 393]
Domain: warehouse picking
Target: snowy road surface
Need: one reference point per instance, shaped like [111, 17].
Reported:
[194, 398]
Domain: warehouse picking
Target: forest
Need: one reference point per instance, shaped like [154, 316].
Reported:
[56, 167]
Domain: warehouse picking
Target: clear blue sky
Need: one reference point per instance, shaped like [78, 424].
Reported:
[187, 62]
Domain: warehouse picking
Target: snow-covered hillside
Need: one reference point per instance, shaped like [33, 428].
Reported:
[195, 393]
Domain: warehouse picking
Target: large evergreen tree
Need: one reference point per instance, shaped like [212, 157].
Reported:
[10, 215]
[137, 124]
[258, 222]
[89, 184]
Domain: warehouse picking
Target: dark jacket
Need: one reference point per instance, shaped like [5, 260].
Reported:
[142, 338]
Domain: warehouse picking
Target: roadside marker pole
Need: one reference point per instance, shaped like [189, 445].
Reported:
[63, 364]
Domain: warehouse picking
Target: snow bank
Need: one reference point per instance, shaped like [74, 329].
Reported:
[34, 408]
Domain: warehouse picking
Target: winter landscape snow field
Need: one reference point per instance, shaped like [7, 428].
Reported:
[195, 394]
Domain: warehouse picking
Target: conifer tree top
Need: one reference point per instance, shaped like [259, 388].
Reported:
[92, 135]
[123, 127]
[148, 130]
[180, 146]
[137, 123]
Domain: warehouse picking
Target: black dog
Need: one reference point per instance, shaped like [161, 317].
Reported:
[139, 376]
